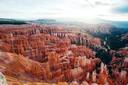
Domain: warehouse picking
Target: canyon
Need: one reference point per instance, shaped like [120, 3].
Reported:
[33, 54]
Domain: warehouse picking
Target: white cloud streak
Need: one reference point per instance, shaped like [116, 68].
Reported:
[74, 9]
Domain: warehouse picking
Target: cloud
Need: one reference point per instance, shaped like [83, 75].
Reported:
[102, 3]
[121, 9]
[78, 9]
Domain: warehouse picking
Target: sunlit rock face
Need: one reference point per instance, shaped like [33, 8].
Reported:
[51, 55]
[35, 41]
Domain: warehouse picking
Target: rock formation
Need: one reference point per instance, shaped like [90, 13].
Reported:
[34, 54]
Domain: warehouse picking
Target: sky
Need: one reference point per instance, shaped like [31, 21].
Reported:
[91, 10]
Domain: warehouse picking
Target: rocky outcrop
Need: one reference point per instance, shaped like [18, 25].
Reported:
[2, 79]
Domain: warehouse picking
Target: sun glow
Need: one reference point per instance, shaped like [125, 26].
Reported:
[62, 9]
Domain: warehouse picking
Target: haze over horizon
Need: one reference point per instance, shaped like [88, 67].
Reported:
[78, 10]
